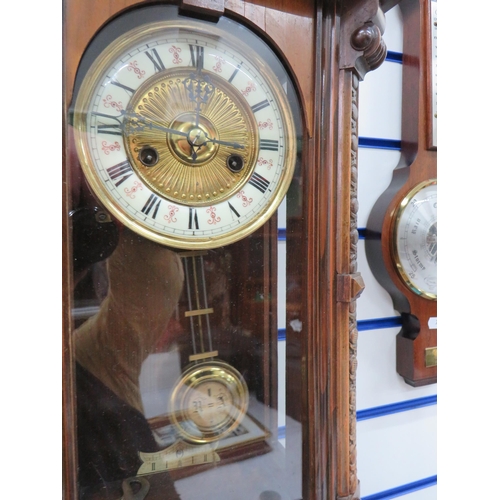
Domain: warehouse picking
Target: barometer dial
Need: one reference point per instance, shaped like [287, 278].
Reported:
[415, 240]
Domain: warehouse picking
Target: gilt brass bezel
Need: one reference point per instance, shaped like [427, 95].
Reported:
[396, 220]
[218, 372]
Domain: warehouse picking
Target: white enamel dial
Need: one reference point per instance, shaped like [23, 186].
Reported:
[185, 135]
[415, 240]
[209, 404]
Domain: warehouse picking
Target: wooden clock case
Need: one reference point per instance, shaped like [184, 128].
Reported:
[339, 43]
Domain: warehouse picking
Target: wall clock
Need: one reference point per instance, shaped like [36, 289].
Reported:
[401, 240]
[192, 128]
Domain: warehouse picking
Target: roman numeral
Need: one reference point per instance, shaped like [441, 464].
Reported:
[259, 182]
[260, 105]
[193, 219]
[120, 172]
[156, 60]
[268, 145]
[235, 72]
[150, 204]
[114, 128]
[197, 56]
[233, 209]
[130, 90]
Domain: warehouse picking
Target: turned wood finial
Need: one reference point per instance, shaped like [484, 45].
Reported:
[362, 46]
[368, 39]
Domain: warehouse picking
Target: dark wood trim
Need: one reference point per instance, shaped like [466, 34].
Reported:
[331, 192]
[70, 466]
[318, 477]
[346, 264]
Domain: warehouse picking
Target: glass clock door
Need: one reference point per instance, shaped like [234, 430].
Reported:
[187, 355]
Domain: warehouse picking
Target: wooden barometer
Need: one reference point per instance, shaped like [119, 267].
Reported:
[401, 242]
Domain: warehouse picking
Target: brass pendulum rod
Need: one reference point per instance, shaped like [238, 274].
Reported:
[196, 291]
[204, 290]
[190, 304]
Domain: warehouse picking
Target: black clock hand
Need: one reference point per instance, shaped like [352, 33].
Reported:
[196, 145]
[139, 123]
[235, 145]
[200, 89]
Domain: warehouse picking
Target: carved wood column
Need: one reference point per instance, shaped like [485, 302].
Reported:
[350, 35]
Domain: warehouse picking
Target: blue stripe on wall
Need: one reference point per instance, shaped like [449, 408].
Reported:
[282, 432]
[281, 334]
[381, 411]
[392, 56]
[384, 410]
[404, 489]
[379, 143]
[363, 325]
[378, 323]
